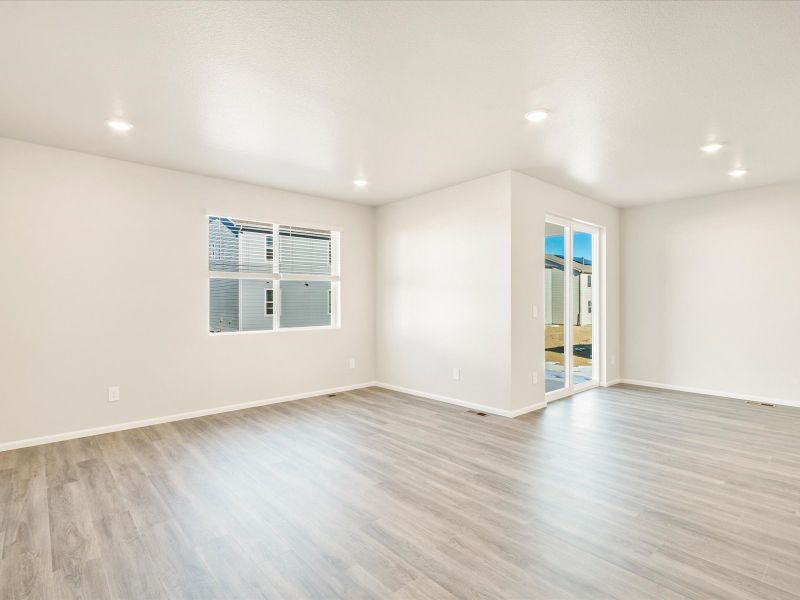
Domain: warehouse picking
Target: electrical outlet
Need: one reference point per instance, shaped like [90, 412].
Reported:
[535, 377]
[613, 359]
[456, 373]
[535, 312]
[113, 393]
[352, 363]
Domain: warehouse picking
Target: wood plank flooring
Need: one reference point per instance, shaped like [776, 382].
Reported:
[615, 493]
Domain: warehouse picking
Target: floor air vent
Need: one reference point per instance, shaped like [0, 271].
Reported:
[331, 395]
[475, 412]
[760, 403]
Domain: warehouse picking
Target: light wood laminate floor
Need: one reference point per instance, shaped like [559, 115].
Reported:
[616, 493]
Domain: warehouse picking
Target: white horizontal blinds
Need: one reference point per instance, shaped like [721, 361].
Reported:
[238, 246]
[224, 305]
[305, 304]
[241, 305]
[305, 251]
[223, 245]
[266, 276]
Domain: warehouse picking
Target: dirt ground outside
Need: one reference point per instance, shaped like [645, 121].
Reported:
[554, 338]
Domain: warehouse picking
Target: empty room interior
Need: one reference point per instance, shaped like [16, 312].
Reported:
[405, 299]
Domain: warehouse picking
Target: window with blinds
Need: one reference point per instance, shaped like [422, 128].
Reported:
[270, 276]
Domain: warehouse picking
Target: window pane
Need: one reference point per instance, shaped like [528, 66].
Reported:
[305, 251]
[554, 307]
[229, 314]
[581, 308]
[305, 303]
[235, 245]
[224, 314]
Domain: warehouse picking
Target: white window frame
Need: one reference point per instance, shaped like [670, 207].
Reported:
[276, 277]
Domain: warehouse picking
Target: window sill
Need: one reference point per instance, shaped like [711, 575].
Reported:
[282, 330]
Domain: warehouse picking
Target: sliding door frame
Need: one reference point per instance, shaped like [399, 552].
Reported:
[572, 226]
[596, 305]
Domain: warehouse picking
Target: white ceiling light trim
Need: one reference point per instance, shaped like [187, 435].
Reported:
[360, 183]
[738, 172]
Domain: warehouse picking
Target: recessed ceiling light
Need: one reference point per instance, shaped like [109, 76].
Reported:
[359, 182]
[737, 172]
[712, 147]
[119, 125]
[537, 115]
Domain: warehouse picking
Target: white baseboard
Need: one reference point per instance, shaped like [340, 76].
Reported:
[717, 393]
[518, 412]
[472, 405]
[70, 435]
[612, 382]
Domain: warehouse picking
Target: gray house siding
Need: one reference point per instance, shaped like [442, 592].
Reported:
[548, 296]
[253, 305]
[554, 293]
[554, 288]
[305, 303]
[581, 299]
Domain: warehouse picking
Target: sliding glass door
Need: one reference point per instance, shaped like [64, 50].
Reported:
[571, 303]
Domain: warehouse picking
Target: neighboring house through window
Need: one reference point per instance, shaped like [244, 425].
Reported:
[268, 276]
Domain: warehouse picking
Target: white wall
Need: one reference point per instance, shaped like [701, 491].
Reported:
[443, 285]
[459, 271]
[711, 291]
[104, 282]
[531, 201]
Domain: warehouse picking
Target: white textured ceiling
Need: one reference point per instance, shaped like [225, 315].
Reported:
[415, 96]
